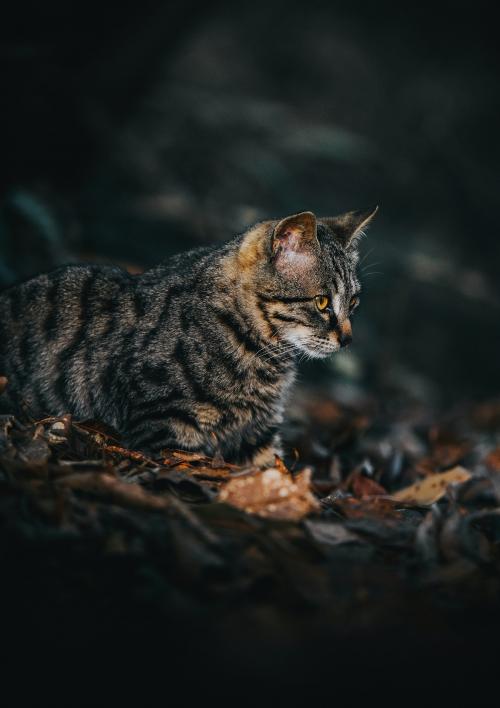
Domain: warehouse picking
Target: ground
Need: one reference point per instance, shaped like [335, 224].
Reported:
[99, 542]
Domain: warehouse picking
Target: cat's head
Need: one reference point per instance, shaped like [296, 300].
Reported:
[303, 272]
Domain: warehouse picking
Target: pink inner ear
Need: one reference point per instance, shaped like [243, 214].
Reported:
[289, 240]
[293, 258]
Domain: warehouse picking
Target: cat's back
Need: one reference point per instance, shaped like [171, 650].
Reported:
[48, 325]
[50, 305]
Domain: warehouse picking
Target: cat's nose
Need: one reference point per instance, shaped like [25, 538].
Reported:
[344, 333]
[344, 339]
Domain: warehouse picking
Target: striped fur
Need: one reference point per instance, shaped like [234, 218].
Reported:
[198, 353]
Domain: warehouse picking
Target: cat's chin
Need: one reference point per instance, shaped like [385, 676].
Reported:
[315, 349]
[318, 353]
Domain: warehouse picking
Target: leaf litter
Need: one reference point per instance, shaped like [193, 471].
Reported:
[378, 511]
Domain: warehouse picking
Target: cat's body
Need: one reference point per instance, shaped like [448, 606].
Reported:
[198, 353]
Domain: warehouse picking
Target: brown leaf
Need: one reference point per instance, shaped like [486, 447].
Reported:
[432, 488]
[280, 465]
[363, 486]
[184, 456]
[173, 458]
[492, 461]
[272, 493]
[98, 431]
[200, 473]
[377, 507]
[129, 454]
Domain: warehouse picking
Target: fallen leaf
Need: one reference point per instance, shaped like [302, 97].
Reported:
[330, 534]
[59, 430]
[363, 486]
[432, 488]
[492, 461]
[3, 384]
[214, 473]
[272, 493]
[280, 465]
[131, 454]
[378, 507]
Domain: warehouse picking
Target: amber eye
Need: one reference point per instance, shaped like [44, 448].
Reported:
[322, 302]
[354, 303]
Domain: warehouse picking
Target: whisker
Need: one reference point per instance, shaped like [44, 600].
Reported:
[370, 265]
[270, 350]
[286, 349]
[366, 255]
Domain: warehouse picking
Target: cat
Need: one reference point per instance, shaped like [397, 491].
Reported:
[198, 353]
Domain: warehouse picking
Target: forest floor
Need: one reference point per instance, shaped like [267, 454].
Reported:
[380, 533]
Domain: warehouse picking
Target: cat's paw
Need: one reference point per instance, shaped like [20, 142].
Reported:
[266, 457]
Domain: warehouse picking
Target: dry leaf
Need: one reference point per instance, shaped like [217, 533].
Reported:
[432, 488]
[272, 493]
[280, 465]
[330, 534]
[58, 430]
[130, 454]
[492, 461]
[363, 486]
[376, 507]
[197, 473]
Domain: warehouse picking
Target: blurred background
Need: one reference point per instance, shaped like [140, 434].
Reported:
[129, 134]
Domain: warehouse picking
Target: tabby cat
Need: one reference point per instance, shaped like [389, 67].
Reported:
[198, 353]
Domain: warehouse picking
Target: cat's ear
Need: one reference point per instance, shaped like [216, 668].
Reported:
[349, 227]
[294, 241]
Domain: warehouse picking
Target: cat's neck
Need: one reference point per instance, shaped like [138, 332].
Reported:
[236, 281]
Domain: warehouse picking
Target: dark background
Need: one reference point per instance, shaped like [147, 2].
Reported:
[132, 132]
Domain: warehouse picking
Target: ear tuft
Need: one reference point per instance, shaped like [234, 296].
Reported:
[349, 227]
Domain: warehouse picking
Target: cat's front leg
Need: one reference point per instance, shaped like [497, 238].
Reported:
[155, 425]
[151, 446]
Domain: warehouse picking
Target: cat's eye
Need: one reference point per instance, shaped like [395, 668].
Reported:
[322, 302]
[354, 303]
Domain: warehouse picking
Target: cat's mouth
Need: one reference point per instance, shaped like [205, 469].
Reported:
[315, 347]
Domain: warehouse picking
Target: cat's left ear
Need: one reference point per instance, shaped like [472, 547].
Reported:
[294, 243]
[349, 227]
